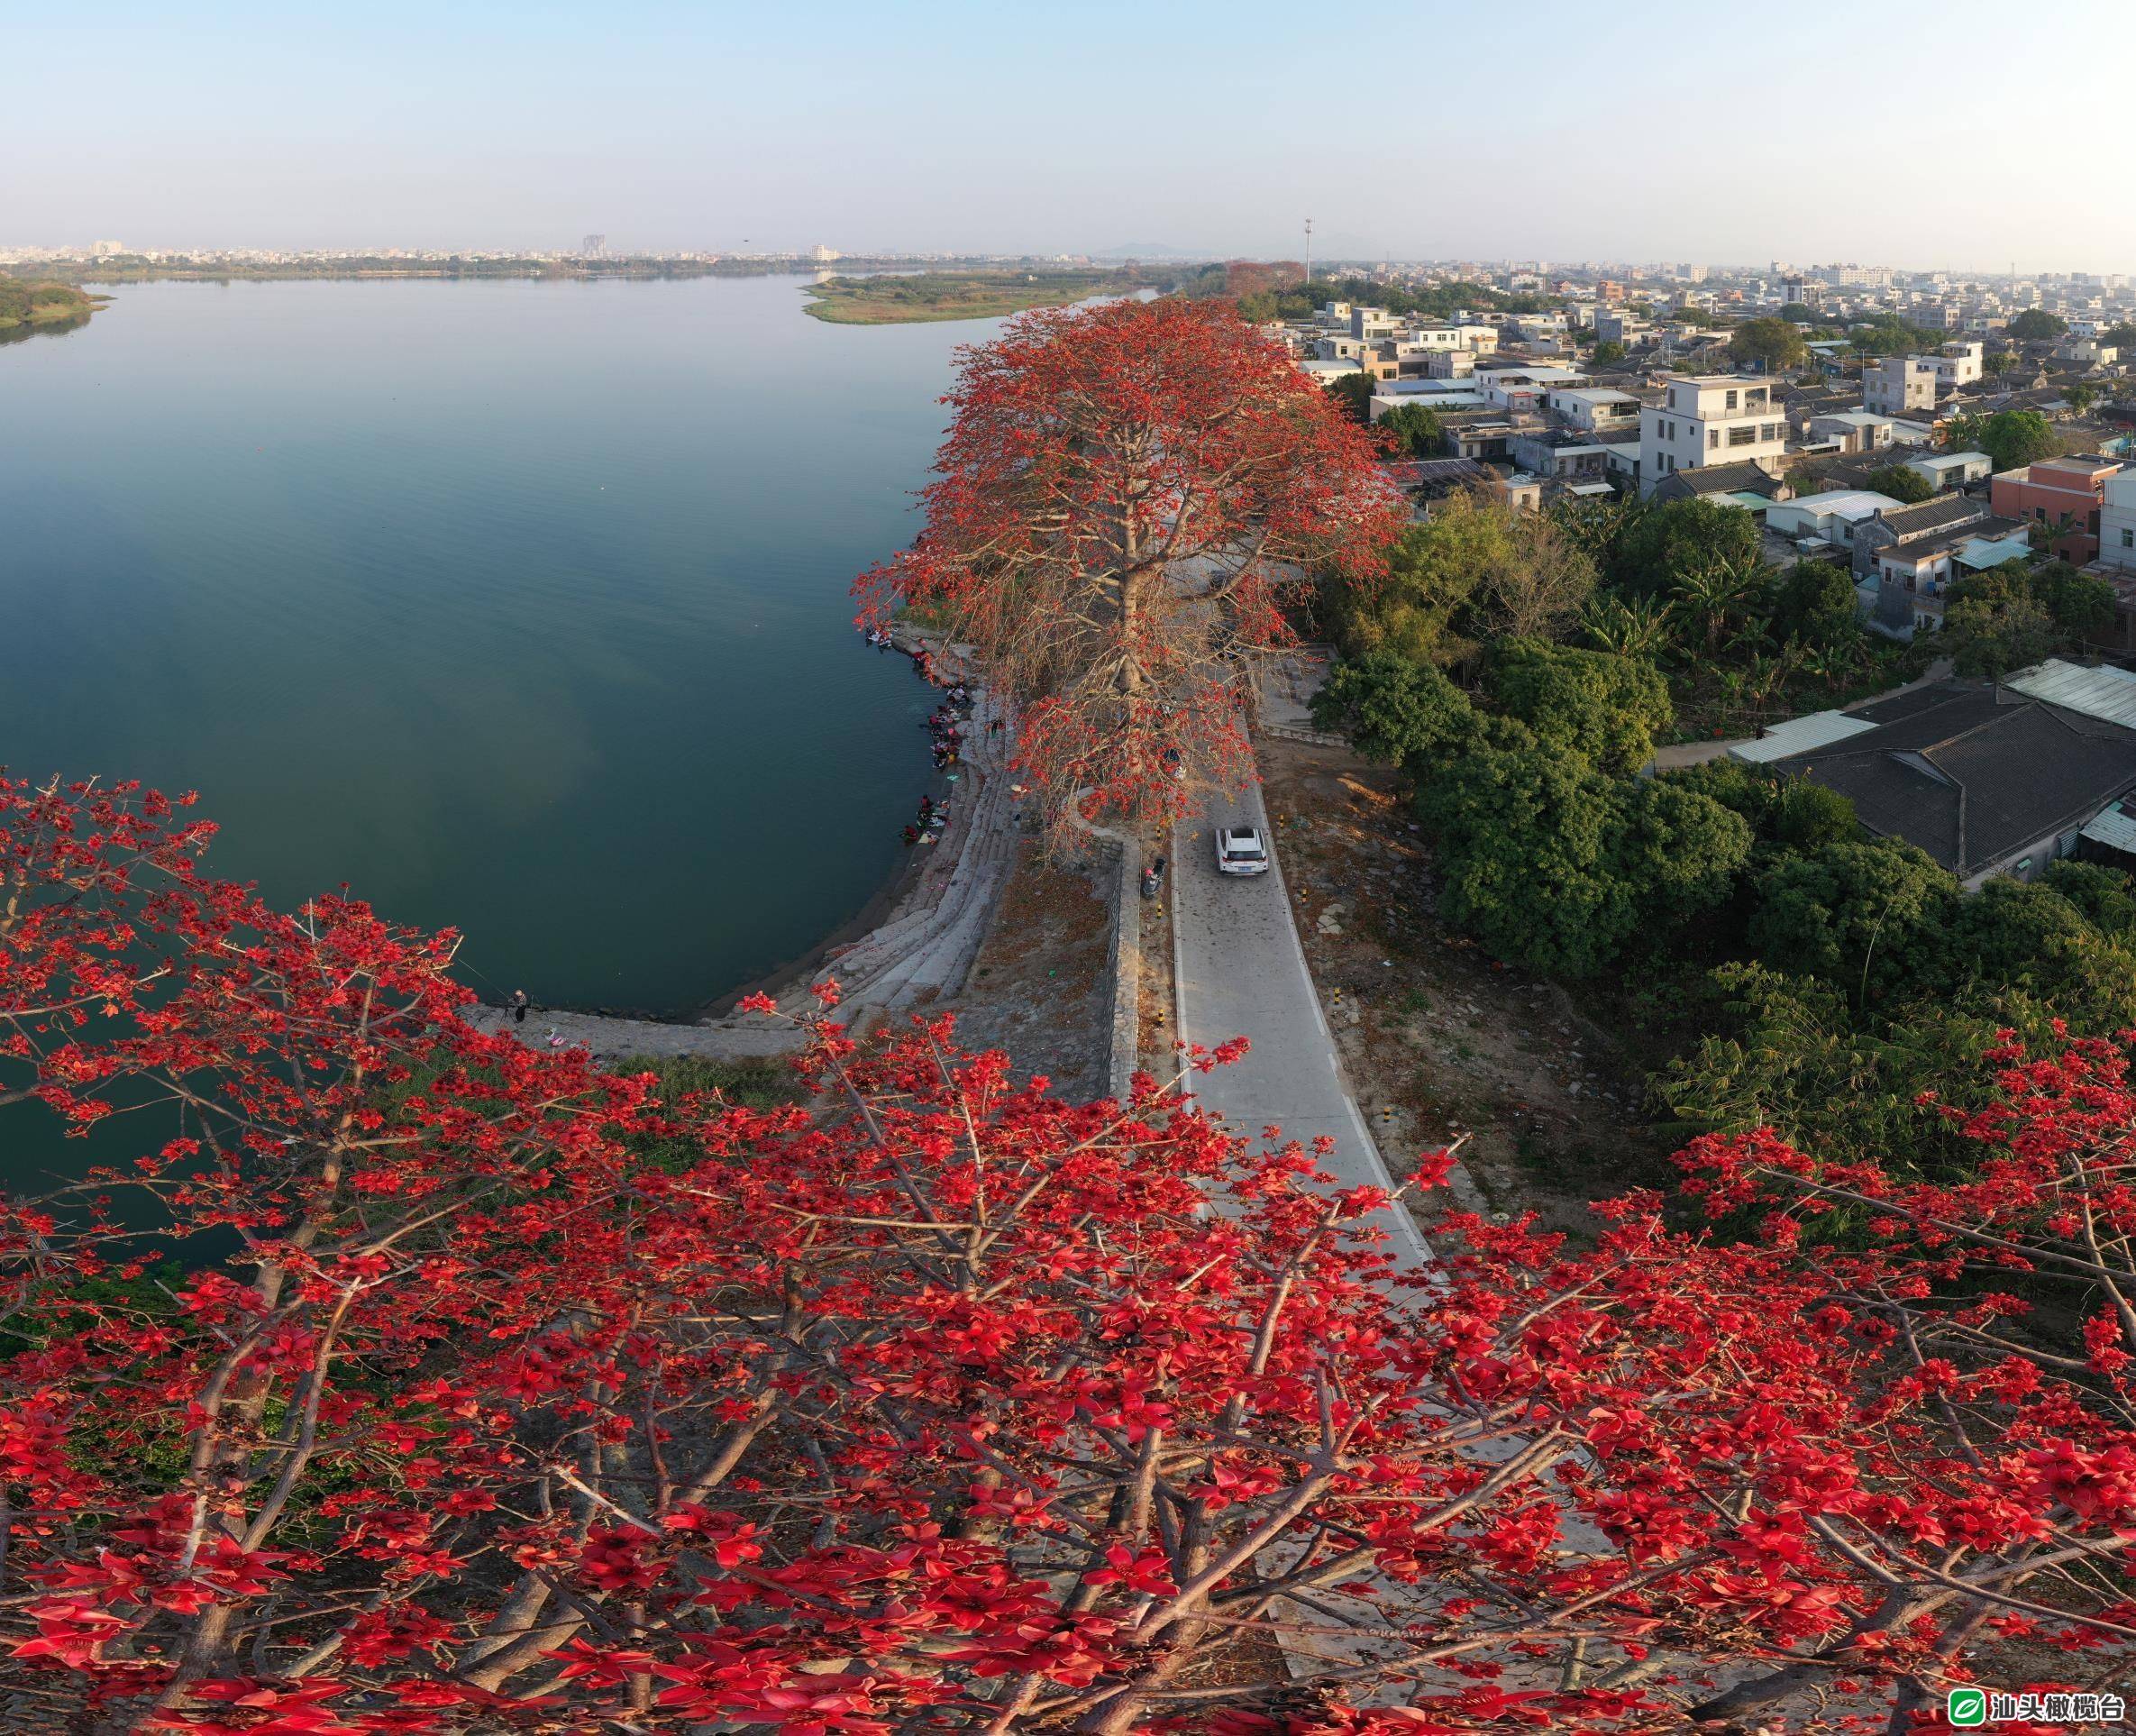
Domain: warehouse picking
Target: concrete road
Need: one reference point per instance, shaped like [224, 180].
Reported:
[1242, 973]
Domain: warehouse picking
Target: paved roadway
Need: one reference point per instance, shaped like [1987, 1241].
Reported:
[1242, 973]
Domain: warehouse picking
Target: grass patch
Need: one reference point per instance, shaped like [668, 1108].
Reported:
[753, 1084]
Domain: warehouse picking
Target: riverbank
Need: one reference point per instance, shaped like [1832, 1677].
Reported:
[898, 300]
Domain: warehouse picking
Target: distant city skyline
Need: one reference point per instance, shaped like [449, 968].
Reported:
[1659, 131]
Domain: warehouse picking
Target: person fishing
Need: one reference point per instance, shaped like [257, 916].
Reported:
[519, 1003]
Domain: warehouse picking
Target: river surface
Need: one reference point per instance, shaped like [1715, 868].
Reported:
[521, 608]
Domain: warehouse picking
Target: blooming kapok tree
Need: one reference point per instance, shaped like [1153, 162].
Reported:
[496, 1396]
[1125, 496]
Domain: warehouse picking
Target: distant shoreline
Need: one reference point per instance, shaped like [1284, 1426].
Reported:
[926, 297]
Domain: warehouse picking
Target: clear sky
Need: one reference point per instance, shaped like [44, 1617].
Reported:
[1947, 132]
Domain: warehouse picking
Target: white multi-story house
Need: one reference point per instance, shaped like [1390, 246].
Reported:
[2117, 520]
[1898, 384]
[1595, 410]
[1957, 364]
[1710, 419]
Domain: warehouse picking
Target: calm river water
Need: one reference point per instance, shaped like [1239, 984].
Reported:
[519, 607]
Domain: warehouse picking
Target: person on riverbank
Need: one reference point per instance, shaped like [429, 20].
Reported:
[519, 1003]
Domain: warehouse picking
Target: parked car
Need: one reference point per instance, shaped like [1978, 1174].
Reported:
[1240, 850]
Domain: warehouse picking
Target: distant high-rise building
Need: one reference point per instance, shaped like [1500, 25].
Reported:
[824, 255]
[104, 250]
[593, 247]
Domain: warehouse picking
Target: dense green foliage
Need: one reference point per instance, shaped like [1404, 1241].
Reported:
[2010, 438]
[1354, 393]
[1396, 710]
[2013, 615]
[1475, 570]
[1671, 541]
[2037, 325]
[1436, 301]
[1902, 482]
[1602, 708]
[1771, 344]
[1781, 965]
[1413, 430]
[25, 302]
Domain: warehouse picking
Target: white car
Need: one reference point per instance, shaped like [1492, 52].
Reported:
[1240, 850]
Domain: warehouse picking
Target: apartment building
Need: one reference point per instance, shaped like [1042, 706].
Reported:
[1898, 384]
[1710, 419]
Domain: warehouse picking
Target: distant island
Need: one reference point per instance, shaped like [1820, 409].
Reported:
[897, 299]
[27, 310]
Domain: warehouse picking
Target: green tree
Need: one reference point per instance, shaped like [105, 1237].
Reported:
[1606, 709]
[1432, 575]
[1771, 344]
[1856, 912]
[1607, 352]
[2080, 604]
[1669, 543]
[1709, 600]
[1394, 710]
[1354, 393]
[2082, 395]
[1994, 639]
[1413, 429]
[1814, 604]
[2036, 325]
[1557, 867]
[1902, 482]
[1635, 626]
[2010, 438]
[2122, 336]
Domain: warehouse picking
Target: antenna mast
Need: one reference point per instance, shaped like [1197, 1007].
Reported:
[1309, 249]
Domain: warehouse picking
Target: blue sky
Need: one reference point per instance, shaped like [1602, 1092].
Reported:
[1908, 134]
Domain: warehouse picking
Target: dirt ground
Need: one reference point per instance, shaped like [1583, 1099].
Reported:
[1437, 1039]
[1039, 988]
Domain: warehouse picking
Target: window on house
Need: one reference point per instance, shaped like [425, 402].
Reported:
[1731, 400]
[2128, 539]
[1743, 436]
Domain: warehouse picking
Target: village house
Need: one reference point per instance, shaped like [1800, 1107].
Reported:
[1710, 419]
[1914, 578]
[1890, 526]
[1898, 384]
[1984, 778]
[1597, 410]
[1951, 469]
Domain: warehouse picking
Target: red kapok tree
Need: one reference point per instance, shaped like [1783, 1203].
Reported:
[1126, 494]
[494, 1397]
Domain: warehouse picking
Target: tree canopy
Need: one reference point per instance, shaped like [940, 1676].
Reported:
[2036, 325]
[1771, 344]
[498, 1393]
[2010, 438]
[1127, 494]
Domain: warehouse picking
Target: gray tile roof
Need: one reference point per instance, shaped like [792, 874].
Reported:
[1972, 772]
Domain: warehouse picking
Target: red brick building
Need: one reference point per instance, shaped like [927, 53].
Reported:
[2056, 490]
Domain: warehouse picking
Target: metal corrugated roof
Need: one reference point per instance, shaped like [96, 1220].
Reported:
[2107, 694]
[2114, 828]
[1798, 735]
